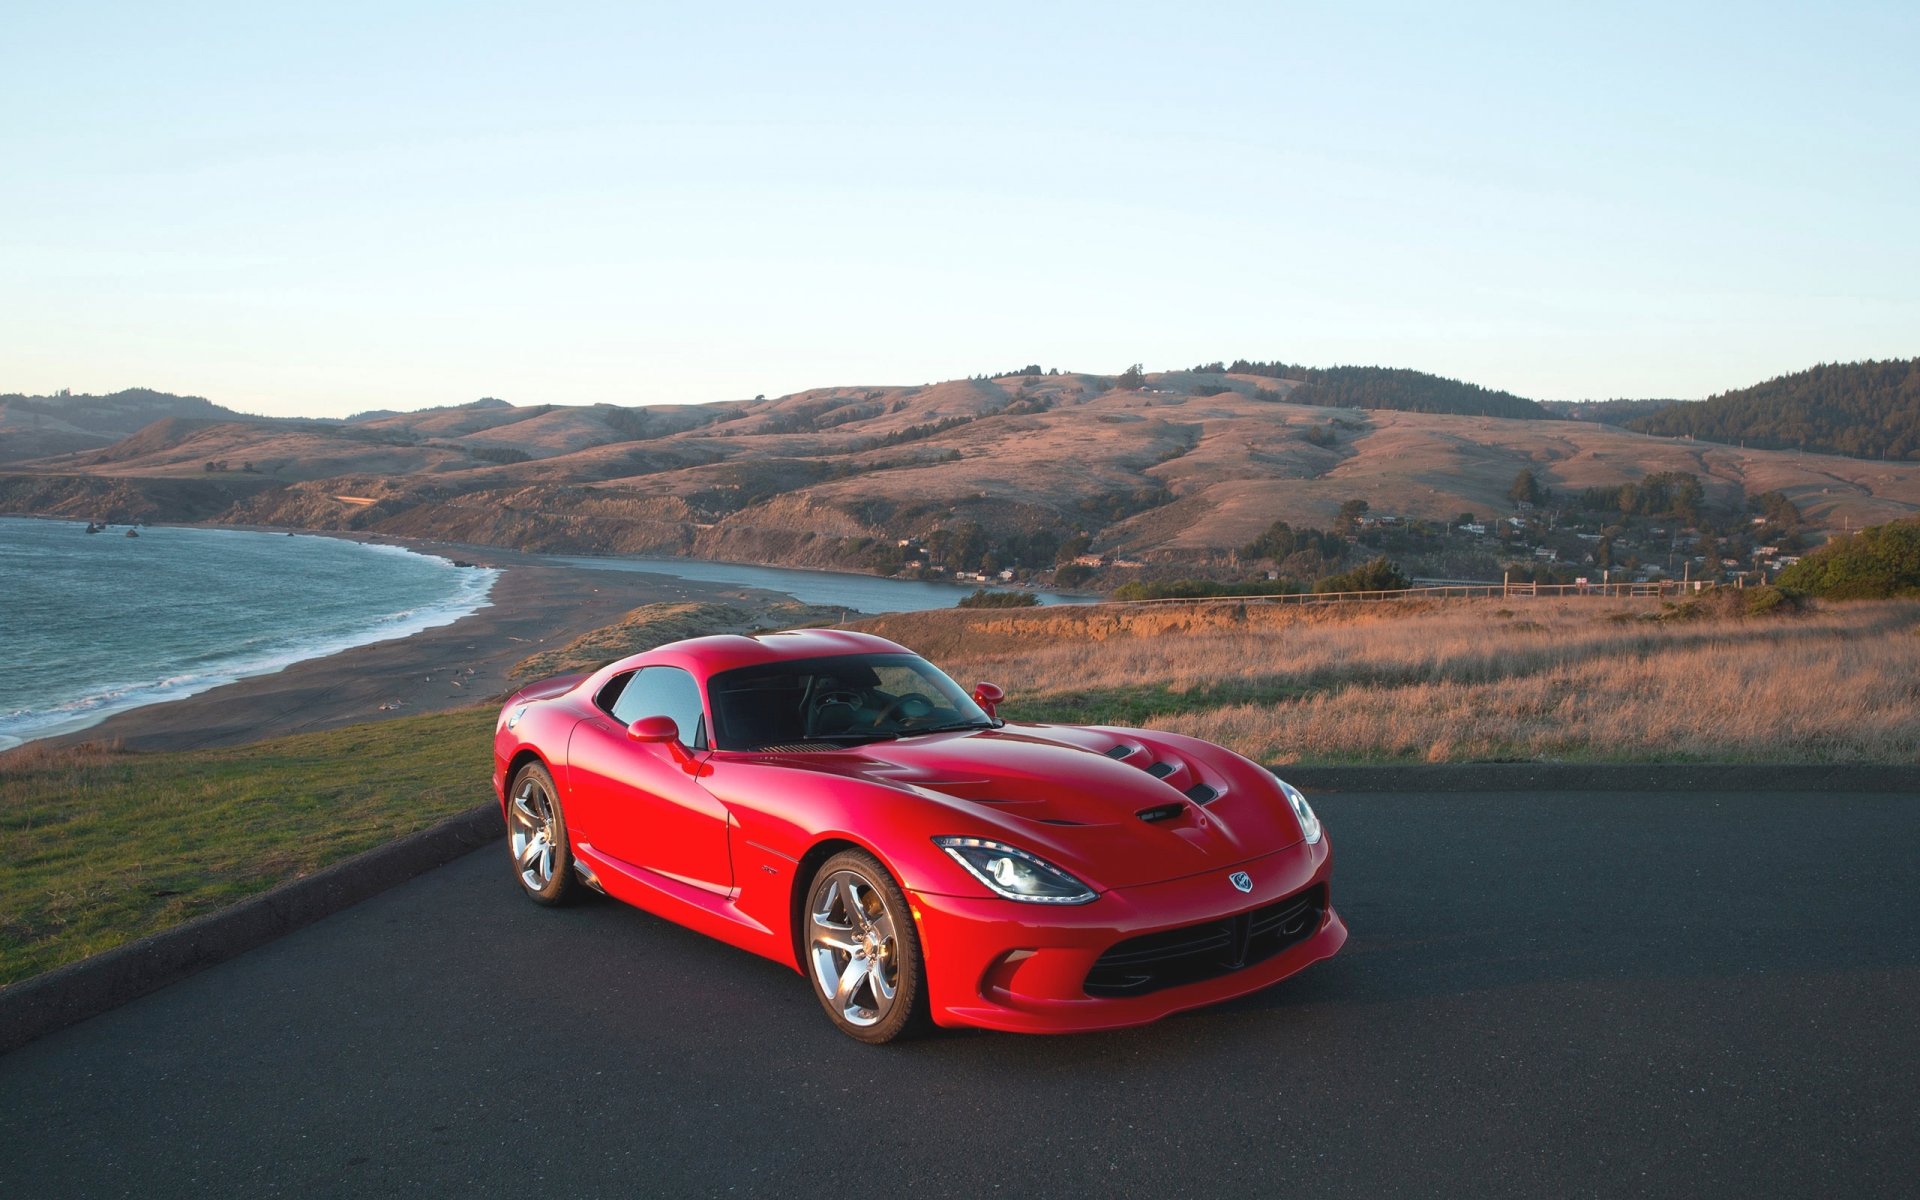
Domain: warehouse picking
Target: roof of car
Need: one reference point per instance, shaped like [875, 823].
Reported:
[724, 652]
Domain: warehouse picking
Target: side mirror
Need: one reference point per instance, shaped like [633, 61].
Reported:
[988, 696]
[661, 730]
[654, 729]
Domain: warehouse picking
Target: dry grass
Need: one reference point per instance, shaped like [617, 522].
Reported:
[1461, 681]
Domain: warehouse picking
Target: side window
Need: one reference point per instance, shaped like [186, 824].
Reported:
[664, 692]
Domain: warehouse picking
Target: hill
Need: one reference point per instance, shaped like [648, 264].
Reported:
[1387, 387]
[38, 426]
[1606, 412]
[1173, 470]
[1864, 409]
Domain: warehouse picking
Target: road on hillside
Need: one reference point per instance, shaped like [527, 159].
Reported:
[1544, 995]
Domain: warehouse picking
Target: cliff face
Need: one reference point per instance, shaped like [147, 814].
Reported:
[123, 500]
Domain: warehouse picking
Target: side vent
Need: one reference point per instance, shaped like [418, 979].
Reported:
[1161, 812]
[1121, 751]
[1200, 793]
[1160, 770]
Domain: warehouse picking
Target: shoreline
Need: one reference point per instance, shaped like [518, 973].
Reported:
[534, 604]
[184, 687]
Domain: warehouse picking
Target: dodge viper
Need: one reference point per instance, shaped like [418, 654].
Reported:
[832, 801]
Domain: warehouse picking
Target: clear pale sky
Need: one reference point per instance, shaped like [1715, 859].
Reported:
[327, 208]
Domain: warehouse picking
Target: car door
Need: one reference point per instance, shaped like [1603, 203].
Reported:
[641, 806]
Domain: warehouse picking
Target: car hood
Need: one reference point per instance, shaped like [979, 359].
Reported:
[1163, 811]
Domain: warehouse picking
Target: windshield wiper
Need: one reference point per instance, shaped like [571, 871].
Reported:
[950, 727]
[882, 735]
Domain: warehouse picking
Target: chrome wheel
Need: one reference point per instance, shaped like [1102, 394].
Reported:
[853, 942]
[532, 833]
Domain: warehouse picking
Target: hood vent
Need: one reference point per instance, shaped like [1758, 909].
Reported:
[1160, 770]
[1122, 751]
[1200, 793]
[1161, 812]
[798, 748]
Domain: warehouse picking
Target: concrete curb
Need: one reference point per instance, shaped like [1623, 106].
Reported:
[1607, 777]
[71, 994]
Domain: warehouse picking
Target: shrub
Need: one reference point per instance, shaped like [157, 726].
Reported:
[982, 598]
[1878, 562]
[1380, 575]
[1768, 600]
[503, 455]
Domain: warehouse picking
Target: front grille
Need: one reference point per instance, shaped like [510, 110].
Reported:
[1208, 950]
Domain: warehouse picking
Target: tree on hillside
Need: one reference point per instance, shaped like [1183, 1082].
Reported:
[1281, 540]
[1276, 543]
[1387, 387]
[1131, 379]
[1779, 511]
[1526, 489]
[1350, 514]
[1865, 409]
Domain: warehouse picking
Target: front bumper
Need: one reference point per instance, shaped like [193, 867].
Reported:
[999, 964]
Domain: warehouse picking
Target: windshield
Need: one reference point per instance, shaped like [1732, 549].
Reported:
[845, 699]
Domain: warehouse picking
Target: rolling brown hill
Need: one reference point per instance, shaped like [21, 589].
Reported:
[1184, 469]
[37, 426]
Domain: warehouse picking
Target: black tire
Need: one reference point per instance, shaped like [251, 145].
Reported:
[835, 941]
[537, 842]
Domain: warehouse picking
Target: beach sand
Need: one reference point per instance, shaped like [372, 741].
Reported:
[536, 605]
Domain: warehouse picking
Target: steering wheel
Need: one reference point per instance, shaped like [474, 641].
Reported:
[912, 706]
[851, 700]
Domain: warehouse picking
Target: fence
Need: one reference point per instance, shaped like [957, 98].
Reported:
[1455, 591]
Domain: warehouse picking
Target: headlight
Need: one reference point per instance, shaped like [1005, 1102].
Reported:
[1015, 874]
[1309, 824]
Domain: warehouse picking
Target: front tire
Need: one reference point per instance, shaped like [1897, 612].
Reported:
[537, 838]
[862, 951]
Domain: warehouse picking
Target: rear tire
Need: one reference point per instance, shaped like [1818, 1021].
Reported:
[537, 838]
[862, 952]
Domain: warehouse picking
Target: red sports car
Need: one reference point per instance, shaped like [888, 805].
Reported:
[834, 802]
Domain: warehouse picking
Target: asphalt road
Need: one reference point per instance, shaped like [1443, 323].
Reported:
[1544, 995]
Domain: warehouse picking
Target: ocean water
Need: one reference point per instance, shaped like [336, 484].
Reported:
[91, 625]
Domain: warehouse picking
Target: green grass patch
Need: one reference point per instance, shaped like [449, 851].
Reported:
[103, 847]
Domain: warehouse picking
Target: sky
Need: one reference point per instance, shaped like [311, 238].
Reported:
[321, 209]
